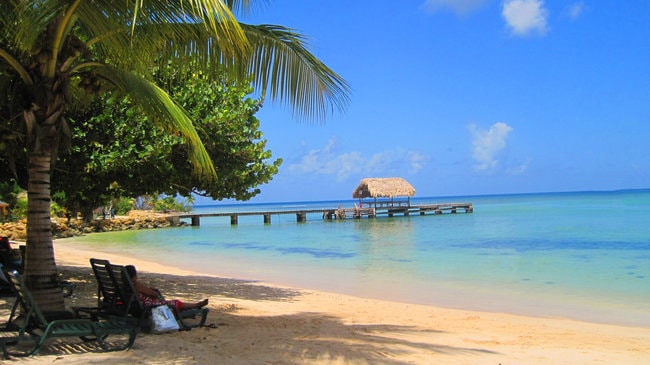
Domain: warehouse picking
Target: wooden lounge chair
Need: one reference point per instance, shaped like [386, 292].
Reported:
[117, 297]
[43, 326]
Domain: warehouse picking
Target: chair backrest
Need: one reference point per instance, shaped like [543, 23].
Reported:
[107, 292]
[115, 291]
[126, 287]
[31, 311]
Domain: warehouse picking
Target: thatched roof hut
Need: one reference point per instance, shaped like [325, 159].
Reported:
[385, 187]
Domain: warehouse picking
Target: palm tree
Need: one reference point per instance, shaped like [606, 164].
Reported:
[56, 53]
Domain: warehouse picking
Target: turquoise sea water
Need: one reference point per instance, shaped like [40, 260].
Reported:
[578, 255]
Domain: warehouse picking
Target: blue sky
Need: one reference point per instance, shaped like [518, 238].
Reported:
[469, 97]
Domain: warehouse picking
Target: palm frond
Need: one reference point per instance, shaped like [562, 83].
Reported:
[16, 66]
[282, 66]
[23, 22]
[244, 7]
[174, 29]
[215, 15]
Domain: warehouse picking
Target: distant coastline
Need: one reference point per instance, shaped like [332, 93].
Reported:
[62, 228]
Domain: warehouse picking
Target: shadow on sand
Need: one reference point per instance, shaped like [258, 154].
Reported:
[233, 337]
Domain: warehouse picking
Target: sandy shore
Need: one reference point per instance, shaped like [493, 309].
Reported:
[259, 323]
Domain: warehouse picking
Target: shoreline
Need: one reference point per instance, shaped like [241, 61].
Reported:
[449, 295]
[310, 326]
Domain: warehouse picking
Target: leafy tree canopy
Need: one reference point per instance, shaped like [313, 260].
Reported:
[117, 151]
[51, 51]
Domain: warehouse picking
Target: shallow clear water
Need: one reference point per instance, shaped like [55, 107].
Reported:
[578, 255]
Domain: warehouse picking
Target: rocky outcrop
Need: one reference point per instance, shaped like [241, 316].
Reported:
[61, 227]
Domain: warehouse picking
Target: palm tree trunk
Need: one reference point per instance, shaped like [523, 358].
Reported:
[40, 267]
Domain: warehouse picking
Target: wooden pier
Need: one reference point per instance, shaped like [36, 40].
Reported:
[372, 211]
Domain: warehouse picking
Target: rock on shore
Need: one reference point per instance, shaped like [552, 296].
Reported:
[61, 227]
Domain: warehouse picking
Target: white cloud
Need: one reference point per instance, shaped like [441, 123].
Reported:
[460, 7]
[525, 17]
[575, 10]
[519, 169]
[342, 165]
[416, 161]
[325, 161]
[487, 144]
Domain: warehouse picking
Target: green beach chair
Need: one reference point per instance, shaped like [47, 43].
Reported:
[113, 299]
[185, 317]
[40, 326]
[117, 297]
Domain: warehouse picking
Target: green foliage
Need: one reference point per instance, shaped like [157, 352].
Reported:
[122, 206]
[53, 51]
[20, 208]
[50, 62]
[170, 203]
[57, 211]
[9, 191]
[226, 123]
[116, 151]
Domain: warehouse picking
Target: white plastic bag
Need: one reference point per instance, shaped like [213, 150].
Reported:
[163, 320]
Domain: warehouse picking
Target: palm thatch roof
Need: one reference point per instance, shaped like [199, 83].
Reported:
[385, 187]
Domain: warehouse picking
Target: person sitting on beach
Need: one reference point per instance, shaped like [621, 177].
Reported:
[151, 297]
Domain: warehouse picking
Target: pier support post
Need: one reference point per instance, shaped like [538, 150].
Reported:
[233, 219]
[196, 220]
[301, 217]
[267, 218]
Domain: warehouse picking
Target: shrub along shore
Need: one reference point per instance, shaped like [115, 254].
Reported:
[62, 227]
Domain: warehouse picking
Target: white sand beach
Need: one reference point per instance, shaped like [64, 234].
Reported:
[261, 323]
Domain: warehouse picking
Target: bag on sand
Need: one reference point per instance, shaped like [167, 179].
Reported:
[163, 320]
